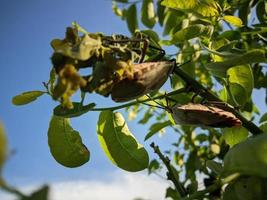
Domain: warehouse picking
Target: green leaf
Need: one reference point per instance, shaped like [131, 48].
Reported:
[248, 157]
[66, 144]
[261, 11]
[76, 111]
[156, 128]
[193, 31]
[241, 76]
[172, 193]
[153, 166]
[263, 118]
[236, 21]
[220, 68]
[246, 188]
[160, 13]
[3, 147]
[234, 135]
[206, 8]
[263, 126]
[214, 166]
[131, 18]
[148, 17]
[40, 194]
[26, 97]
[119, 144]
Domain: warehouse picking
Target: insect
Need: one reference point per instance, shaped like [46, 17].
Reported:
[203, 115]
[148, 77]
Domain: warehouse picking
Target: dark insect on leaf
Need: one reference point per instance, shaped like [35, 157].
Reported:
[148, 77]
[204, 115]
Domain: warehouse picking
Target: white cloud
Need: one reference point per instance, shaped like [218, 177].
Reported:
[120, 186]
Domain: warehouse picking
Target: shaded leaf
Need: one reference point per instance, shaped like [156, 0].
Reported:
[66, 144]
[160, 13]
[148, 14]
[76, 111]
[131, 18]
[246, 188]
[153, 166]
[214, 166]
[172, 193]
[40, 194]
[263, 118]
[3, 147]
[26, 97]
[236, 21]
[253, 56]
[234, 135]
[248, 157]
[119, 144]
[156, 128]
[263, 126]
[190, 32]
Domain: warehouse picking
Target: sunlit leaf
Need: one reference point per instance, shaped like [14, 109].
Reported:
[66, 144]
[3, 147]
[236, 21]
[148, 14]
[193, 31]
[248, 157]
[234, 135]
[156, 128]
[241, 83]
[76, 111]
[263, 126]
[26, 97]
[119, 144]
[205, 8]
[131, 18]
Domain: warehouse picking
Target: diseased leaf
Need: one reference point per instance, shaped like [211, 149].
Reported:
[235, 135]
[66, 144]
[131, 18]
[253, 56]
[76, 111]
[248, 157]
[84, 49]
[236, 21]
[193, 31]
[119, 144]
[156, 128]
[148, 14]
[3, 147]
[26, 97]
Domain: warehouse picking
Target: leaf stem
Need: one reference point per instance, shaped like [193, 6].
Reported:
[172, 174]
[205, 93]
[181, 90]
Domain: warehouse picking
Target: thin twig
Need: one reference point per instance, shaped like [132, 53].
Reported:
[171, 174]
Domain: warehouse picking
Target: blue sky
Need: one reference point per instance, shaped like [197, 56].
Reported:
[27, 27]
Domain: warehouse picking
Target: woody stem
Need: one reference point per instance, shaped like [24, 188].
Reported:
[203, 92]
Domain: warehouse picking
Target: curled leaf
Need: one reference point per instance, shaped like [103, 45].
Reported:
[66, 144]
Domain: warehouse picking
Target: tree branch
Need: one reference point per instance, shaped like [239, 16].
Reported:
[172, 173]
[203, 92]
